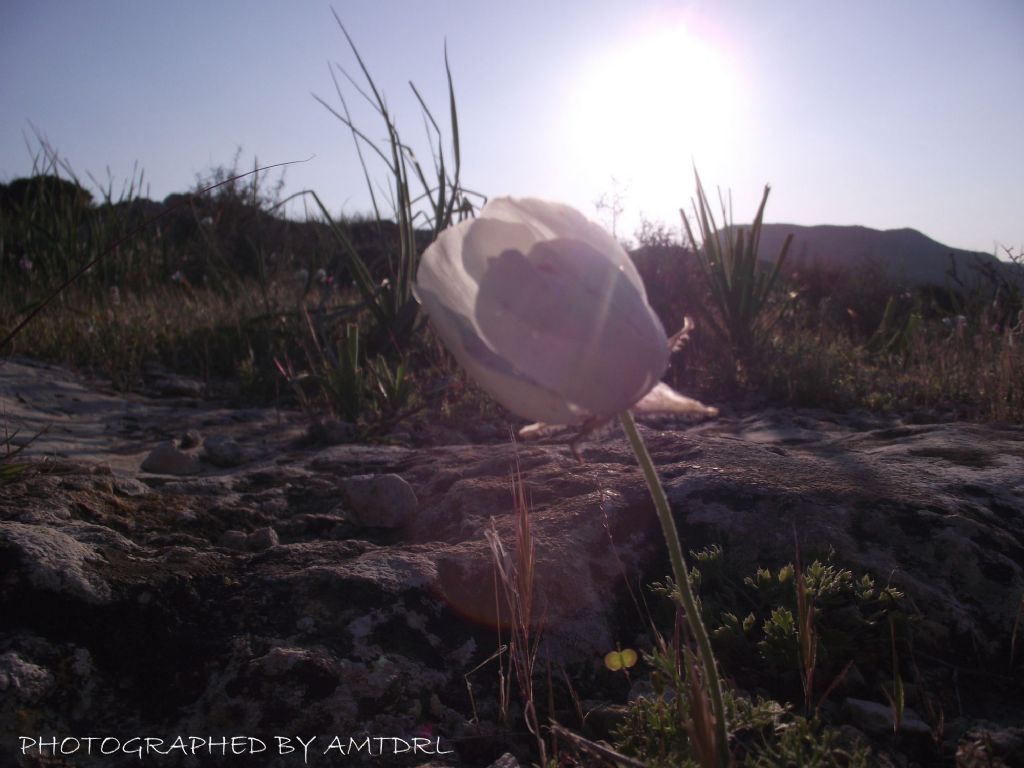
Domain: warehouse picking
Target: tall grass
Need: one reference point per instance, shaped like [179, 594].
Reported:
[917, 358]
[51, 228]
[421, 213]
[515, 575]
[729, 258]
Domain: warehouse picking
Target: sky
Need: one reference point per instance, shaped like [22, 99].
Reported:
[879, 113]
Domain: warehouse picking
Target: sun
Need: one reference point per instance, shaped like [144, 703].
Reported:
[643, 111]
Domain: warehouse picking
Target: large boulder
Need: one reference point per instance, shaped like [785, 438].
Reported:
[293, 595]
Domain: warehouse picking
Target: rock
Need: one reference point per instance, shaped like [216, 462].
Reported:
[507, 760]
[55, 562]
[262, 539]
[351, 589]
[880, 720]
[23, 680]
[129, 486]
[236, 540]
[380, 501]
[989, 743]
[222, 451]
[172, 385]
[190, 439]
[166, 459]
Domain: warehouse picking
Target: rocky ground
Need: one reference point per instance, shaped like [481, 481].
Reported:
[170, 567]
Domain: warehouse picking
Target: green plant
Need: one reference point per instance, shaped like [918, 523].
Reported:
[729, 260]
[69, 242]
[813, 621]
[894, 336]
[716, 744]
[51, 227]
[391, 301]
[394, 389]
[10, 468]
[335, 379]
[896, 695]
[800, 743]
[661, 729]
[342, 375]
[807, 634]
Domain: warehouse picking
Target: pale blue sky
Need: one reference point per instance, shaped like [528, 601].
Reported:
[886, 114]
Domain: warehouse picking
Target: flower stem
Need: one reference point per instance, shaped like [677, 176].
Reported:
[682, 577]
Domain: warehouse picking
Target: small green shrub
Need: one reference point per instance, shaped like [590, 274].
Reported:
[658, 729]
[740, 288]
[758, 628]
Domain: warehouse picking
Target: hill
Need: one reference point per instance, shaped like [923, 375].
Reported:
[909, 256]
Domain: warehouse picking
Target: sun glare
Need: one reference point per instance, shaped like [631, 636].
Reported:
[644, 109]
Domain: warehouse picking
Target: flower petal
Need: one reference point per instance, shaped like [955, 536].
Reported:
[448, 294]
[545, 309]
[664, 399]
[565, 315]
[550, 221]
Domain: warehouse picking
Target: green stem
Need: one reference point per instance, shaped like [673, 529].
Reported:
[682, 577]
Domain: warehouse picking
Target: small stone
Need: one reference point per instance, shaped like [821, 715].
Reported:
[237, 540]
[21, 679]
[878, 719]
[1007, 742]
[380, 501]
[129, 486]
[166, 459]
[507, 760]
[190, 439]
[222, 451]
[179, 386]
[264, 538]
[57, 562]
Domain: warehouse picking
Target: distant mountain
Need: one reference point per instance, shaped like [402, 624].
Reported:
[910, 257]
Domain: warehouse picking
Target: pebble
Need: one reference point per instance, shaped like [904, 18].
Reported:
[380, 501]
[21, 679]
[877, 719]
[236, 540]
[167, 459]
[222, 451]
[261, 539]
[190, 439]
[178, 386]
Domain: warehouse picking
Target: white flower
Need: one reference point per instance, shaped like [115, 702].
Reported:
[547, 312]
